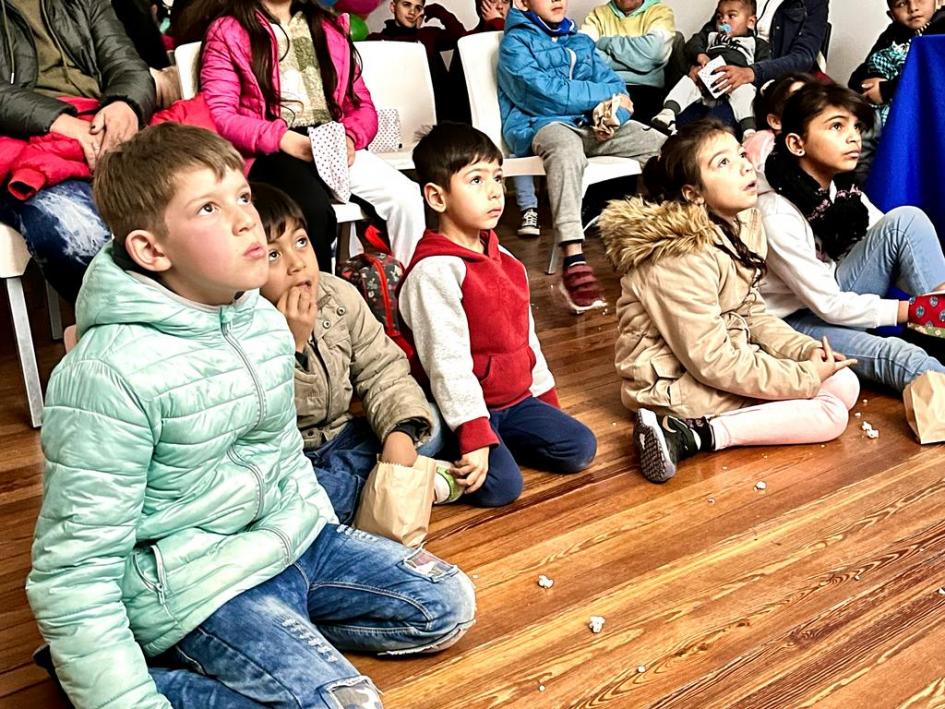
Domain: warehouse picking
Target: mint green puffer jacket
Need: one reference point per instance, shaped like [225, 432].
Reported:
[174, 478]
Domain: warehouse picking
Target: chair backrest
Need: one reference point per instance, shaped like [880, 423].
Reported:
[480, 56]
[186, 56]
[398, 76]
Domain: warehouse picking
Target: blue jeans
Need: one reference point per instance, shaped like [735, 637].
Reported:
[342, 465]
[279, 643]
[525, 196]
[63, 231]
[901, 250]
[535, 434]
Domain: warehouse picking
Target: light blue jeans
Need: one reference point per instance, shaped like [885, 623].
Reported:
[901, 250]
[525, 196]
[279, 644]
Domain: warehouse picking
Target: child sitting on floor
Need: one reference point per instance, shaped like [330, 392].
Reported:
[561, 101]
[340, 350]
[181, 521]
[733, 39]
[768, 105]
[466, 302]
[704, 366]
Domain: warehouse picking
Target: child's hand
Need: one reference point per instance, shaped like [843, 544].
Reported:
[871, 90]
[471, 470]
[827, 362]
[491, 10]
[299, 308]
[399, 450]
[296, 145]
[351, 151]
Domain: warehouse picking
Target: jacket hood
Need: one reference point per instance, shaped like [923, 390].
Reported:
[111, 295]
[635, 231]
[517, 18]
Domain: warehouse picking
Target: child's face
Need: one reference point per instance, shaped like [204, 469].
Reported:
[729, 184]
[292, 264]
[736, 15]
[476, 196]
[628, 6]
[407, 13]
[833, 142]
[914, 14]
[551, 11]
[214, 246]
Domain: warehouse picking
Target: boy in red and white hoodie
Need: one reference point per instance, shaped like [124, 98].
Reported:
[465, 300]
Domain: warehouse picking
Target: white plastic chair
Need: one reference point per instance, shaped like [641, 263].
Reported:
[186, 56]
[14, 258]
[398, 76]
[480, 56]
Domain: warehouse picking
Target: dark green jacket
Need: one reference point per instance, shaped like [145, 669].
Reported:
[93, 38]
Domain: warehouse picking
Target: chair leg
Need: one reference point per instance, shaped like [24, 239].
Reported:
[55, 312]
[24, 346]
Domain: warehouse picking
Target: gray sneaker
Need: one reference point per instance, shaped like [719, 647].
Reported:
[529, 226]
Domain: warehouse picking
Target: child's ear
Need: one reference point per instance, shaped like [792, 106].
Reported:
[795, 144]
[751, 22]
[145, 250]
[435, 197]
[692, 195]
[774, 122]
[392, 5]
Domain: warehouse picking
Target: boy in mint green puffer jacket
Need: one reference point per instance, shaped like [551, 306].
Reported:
[180, 517]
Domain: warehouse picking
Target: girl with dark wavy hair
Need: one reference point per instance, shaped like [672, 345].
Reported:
[833, 257]
[270, 69]
[704, 366]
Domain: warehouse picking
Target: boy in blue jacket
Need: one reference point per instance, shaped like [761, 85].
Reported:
[181, 521]
[561, 101]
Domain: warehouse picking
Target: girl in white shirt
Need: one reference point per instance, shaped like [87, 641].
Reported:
[832, 256]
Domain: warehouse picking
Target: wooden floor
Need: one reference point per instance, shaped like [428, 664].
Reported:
[823, 589]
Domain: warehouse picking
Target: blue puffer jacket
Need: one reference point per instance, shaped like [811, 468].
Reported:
[174, 479]
[546, 80]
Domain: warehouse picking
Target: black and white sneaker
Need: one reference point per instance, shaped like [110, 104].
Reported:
[662, 442]
[529, 226]
[664, 121]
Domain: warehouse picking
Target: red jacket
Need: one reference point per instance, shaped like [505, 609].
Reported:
[46, 160]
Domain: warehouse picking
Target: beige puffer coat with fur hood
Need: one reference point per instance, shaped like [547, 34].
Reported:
[694, 336]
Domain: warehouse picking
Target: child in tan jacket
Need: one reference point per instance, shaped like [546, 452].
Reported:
[696, 349]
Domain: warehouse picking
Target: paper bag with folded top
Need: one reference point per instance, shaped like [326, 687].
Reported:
[396, 501]
[924, 398]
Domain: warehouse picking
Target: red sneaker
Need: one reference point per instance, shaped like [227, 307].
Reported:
[580, 288]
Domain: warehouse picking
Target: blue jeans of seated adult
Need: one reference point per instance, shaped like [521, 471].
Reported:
[342, 465]
[62, 229]
[535, 434]
[901, 250]
[525, 196]
[279, 644]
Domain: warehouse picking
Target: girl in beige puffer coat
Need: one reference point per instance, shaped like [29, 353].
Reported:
[696, 349]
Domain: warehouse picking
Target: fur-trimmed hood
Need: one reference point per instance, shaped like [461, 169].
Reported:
[635, 231]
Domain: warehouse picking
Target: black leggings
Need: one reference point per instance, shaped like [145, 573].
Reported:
[301, 182]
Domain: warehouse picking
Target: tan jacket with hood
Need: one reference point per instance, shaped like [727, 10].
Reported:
[349, 353]
[694, 336]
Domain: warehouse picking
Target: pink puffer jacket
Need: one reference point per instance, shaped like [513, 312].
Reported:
[236, 100]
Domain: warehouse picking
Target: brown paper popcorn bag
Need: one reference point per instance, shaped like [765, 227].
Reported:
[924, 398]
[396, 501]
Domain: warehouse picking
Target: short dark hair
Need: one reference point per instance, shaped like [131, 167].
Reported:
[811, 100]
[752, 5]
[276, 210]
[135, 181]
[771, 98]
[448, 148]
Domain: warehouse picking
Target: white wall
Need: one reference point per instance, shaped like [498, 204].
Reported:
[856, 24]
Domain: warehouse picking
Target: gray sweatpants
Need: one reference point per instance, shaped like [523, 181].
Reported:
[564, 150]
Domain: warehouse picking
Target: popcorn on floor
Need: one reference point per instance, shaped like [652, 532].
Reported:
[545, 582]
[596, 623]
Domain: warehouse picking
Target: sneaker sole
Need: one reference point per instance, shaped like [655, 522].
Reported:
[655, 462]
[578, 309]
[529, 232]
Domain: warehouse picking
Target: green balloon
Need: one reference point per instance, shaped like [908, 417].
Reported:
[359, 29]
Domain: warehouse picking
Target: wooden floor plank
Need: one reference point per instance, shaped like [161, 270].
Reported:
[820, 590]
